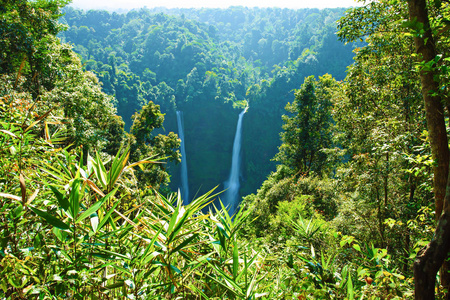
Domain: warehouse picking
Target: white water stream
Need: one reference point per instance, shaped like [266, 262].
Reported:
[184, 173]
[231, 196]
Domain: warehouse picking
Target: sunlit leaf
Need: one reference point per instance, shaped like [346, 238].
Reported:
[52, 220]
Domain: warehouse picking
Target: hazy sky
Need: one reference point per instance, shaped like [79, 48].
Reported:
[128, 4]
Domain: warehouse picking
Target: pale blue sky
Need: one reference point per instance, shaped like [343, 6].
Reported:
[129, 4]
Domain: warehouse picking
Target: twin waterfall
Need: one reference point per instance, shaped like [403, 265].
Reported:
[184, 172]
[231, 196]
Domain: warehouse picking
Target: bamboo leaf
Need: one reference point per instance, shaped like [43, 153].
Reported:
[229, 282]
[115, 285]
[178, 271]
[46, 132]
[65, 169]
[75, 197]
[350, 292]
[148, 160]
[145, 257]
[117, 167]
[50, 219]
[172, 222]
[199, 292]
[107, 216]
[94, 207]
[61, 235]
[100, 171]
[8, 133]
[32, 197]
[39, 119]
[94, 187]
[63, 202]
[22, 64]
[12, 197]
[235, 259]
[115, 254]
[179, 224]
[184, 243]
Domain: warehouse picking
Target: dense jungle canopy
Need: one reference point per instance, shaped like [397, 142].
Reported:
[344, 181]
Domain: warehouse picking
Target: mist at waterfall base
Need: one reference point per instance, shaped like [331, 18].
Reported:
[231, 195]
[184, 172]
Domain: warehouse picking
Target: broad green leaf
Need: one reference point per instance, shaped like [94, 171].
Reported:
[350, 291]
[50, 219]
[63, 202]
[75, 197]
[357, 247]
[185, 243]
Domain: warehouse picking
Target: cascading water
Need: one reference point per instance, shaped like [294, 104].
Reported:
[184, 172]
[232, 184]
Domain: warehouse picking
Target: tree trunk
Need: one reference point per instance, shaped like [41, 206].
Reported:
[433, 103]
[431, 258]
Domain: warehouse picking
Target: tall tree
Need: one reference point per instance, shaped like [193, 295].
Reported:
[25, 27]
[308, 131]
[430, 259]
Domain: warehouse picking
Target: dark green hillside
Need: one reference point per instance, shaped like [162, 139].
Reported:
[205, 62]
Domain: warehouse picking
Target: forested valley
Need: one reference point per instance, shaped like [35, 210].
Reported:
[209, 64]
[236, 153]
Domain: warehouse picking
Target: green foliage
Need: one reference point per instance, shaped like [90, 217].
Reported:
[145, 143]
[308, 131]
[205, 62]
[381, 125]
[300, 179]
[82, 215]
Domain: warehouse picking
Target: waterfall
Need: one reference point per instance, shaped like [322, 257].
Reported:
[184, 173]
[232, 184]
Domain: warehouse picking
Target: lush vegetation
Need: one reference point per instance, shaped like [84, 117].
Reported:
[209, 63]
[86, 210]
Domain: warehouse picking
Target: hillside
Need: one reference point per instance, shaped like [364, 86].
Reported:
[209, 63]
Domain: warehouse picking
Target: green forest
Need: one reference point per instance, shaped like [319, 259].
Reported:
[209, 64]
[123, 135]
